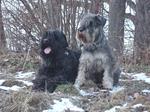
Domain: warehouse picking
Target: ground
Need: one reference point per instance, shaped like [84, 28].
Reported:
[133, 94]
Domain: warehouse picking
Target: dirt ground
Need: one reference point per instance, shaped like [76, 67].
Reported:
[130, 98]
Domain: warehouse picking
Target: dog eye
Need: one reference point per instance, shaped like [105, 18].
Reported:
[81, 29]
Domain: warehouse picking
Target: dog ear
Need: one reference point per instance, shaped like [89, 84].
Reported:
[101, 19]
[60, 36]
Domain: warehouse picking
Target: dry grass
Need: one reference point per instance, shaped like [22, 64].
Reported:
[26, 101]
[12, 82]
[17, 62]
[137, 68]
[107, 102]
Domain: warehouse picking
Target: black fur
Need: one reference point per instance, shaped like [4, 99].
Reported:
[60, 66]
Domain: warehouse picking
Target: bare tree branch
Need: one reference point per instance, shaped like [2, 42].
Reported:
[131, 17]
[131, 4]
[32, 14]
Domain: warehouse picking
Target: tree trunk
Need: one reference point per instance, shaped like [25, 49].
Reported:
[2, 34]
[142, 32]
[52, 13]
[116, 26]
[96, 6]
[73, 42]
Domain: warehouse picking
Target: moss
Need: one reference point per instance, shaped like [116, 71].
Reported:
[67, 88]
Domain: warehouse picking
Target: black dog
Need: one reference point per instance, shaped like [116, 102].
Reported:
[59, 65]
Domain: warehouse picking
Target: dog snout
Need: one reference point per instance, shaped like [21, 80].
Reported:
[45, 41]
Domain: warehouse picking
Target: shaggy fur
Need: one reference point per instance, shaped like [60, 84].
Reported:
[97, 62]
[59, 64]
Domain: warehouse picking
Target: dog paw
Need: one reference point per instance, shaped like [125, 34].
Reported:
[108, 85]
[78, 85]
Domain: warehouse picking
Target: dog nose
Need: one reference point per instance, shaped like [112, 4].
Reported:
[81, 29]
[45, 40]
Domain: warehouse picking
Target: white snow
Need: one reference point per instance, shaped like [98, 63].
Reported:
[24, 75]
[114, 90]
[84, 93]
[18, 76]
[129, 74]
[145, 91]
[63, 106]
[1, 81]
[13, 88]
[113, 109]
[26, 82]
[137, 105]
[117, 89]
[141, 76]
[138, 76]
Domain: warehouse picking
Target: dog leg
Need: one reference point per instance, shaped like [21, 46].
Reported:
[108, 78]
[83, 72]
[81, 77]
[116, 76]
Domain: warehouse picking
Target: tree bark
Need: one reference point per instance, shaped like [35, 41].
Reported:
[2, 34]
[142, 32]
[96, 6]
[73, 42]
[116, 26]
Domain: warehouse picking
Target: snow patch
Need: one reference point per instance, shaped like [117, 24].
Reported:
[114, 90]
[2, 81]
[138, 76]
[117, 89]
[84, 93]
[113, 109]
[26, 82]
[24, 75]
[141, 76]
[137, 105]
[145, 91]
[116, 107]
[125, 73]
[63, 106]
[13, 88]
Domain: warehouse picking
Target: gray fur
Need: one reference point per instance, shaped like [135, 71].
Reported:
[97, 62]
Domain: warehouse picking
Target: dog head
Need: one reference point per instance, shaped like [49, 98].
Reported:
[90, 28]
[52, 42]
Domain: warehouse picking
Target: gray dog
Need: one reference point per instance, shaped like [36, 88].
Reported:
[96, 62]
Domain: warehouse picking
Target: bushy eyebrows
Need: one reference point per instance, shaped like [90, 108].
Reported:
[89, 22]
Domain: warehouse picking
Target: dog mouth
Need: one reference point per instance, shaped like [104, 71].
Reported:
[81, 37]
[47, 50]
